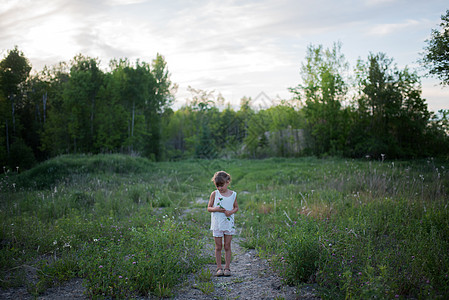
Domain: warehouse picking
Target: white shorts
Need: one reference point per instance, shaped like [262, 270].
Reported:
[220, 233]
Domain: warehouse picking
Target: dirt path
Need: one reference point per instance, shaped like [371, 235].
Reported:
[251, 278]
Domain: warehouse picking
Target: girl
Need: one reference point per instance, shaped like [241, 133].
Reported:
[222, 206]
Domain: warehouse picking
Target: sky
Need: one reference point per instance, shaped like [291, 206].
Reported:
[236, 48]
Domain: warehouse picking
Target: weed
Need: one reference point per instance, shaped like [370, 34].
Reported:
[357, 229]
[204, 275]
[206, 287]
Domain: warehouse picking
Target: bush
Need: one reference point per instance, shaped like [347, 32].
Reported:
[301, 253]
[67, 167]
[21, 156]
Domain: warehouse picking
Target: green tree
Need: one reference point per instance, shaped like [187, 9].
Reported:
[391, 115]
[32, 114]
[112, 120]
[161, 97]
[181, 133]
[54, 137]
[226, 131]
[134, 93]
[14, 71]
[322, 92]
[436, 55]
[243, 116]
[203, 107]
[256, 140]
[80, 97]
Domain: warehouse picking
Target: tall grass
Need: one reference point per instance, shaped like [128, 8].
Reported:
[112, 220]
[358, 229]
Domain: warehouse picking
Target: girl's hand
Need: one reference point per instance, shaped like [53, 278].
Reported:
[220, 209]
[228, 213]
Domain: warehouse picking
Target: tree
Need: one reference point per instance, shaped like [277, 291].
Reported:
[391, 115]
[54, 137]
[14, 71]
[436, 55]
[80, 96]
[322, 92]
[203, 107]
[112, 117]
[160, 98]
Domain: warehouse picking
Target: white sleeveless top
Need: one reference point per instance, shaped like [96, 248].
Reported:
[219, 221]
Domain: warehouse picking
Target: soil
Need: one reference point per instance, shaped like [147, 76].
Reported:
[251, 278]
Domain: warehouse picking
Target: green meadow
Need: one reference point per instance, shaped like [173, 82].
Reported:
[130, 227]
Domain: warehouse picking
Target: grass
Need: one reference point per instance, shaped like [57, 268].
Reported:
[204, 281]
[359, 229]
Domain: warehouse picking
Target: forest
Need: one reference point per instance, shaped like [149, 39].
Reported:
[374, 109]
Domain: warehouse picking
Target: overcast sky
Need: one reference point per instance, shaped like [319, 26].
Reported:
[237, 48]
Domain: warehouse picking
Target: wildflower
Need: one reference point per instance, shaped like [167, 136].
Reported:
[134, 262]
[100, 267]
[95, 240]
[120, 276]
[55, 242]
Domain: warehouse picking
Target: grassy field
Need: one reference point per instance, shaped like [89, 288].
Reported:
[128, 226]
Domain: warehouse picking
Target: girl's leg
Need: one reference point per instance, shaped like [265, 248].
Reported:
[218, 247]
[227, 246]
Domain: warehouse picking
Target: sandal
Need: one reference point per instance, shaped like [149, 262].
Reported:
[219, 272]
[227, 272]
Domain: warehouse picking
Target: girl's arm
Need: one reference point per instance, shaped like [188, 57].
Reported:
[235, 209]
[210, 206]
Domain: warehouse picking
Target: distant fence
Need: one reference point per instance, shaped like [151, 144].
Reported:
[286, 142]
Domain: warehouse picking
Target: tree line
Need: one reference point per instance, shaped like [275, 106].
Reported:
[375, 109]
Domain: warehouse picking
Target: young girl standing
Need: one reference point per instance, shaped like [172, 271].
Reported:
[222, 206]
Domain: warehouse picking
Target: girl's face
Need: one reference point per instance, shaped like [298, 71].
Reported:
[223, 188]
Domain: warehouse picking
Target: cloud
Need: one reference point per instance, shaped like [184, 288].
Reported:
[124, 2]
[379, 2]
[235, 47]
[389, 29]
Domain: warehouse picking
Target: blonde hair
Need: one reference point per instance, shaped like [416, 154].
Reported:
[220, 178]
